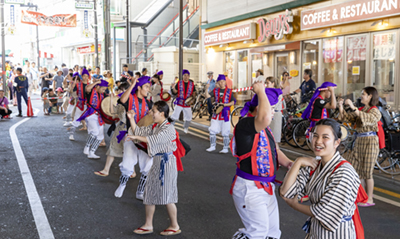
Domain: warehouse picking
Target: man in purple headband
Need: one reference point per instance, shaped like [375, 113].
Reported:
[134, 99]
[257, 153]
[222, 96]
[95, 124]
[79, 86]
[184, 89]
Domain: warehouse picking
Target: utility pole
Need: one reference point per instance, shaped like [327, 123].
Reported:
[180, 39]
[96, 40]
[128, 33]
[107, 33]
[3, 48]
[29, 5]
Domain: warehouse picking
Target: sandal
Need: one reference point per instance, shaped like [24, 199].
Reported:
[133, 175]
[142, 231]
[101, 174]
[170, 232]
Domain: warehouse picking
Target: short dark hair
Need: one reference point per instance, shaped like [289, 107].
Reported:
[56, 67]
[50, 90]
[138, 74]
[336, 130]
[124, 65]
[157, 76]
[123, 86]
[98, 67]
[144, 69]
[63, 64]
[375, 96]
[308, 72]
[19, 69]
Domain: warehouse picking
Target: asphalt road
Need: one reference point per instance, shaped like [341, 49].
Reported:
[79, 204]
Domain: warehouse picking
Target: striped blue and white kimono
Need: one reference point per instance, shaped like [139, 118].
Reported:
[161, 186]
[332, 197]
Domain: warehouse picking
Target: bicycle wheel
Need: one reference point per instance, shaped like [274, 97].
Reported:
[235, 115]
[288, 131]
[299, 134]
[196, 110]
[388, 163]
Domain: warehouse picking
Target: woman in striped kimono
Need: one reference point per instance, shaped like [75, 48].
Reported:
[331, 183]
[161, 187]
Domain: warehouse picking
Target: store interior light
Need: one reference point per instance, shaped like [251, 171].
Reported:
[293, 57]
[314, 62]
[349, 62]
[265, 59]
[391, 59]
[329, 30]
[224, 45]
[383, 23]
[248, 41]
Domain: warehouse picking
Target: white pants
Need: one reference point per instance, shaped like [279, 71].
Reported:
[133, 155]
[257, 209]
[70, 109]
[94, 127]
[187, 113]
[78, 114]
[220, 126]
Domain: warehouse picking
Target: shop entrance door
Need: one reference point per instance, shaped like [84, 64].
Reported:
[281, 64]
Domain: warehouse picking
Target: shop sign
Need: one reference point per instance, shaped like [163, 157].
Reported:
[39, 19]
[87, 49]
[83, 5]
[385, 46]
[277, 27]
[333, 50]
[353, 11]
[15, 1]
[357, 48]
[233, 34]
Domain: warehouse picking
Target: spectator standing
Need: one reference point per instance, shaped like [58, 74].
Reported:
[211, 82]
[144, 71]
[21, 84]
[47, 78]
[35, 74]
[59, 100]
[307, 86]
[64, 69]
[58, 80]
[97, 76]
[46, 102]
[126, 71]
[4, 110]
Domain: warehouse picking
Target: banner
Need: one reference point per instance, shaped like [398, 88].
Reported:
[11, 28]
[39, 19]
[385, 46]
[333, 50]
[86, 32]
[357, 48]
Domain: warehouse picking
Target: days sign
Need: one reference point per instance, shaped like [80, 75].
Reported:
[83, 5]
[86, 32]
[356, 70]
[333, 50]
[88, 49]
[11, 28]
[277, 27]
[232, 34]
[346, 12]
[15, 1]
[357, 48]
[384, 46]
[39, 19]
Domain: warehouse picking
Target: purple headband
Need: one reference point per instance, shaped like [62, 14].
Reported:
[160, 73]
[84, 71]
[140, 82]
[272, 95]
[103, 83]
[221, 77]
[185, 72]
[307, 112]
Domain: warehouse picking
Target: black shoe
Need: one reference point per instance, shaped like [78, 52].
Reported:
[19, 115]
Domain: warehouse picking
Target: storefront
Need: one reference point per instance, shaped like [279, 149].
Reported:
[353, 44]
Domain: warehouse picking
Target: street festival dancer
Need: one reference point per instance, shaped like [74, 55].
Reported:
[222, 96]
[21, 83]
[184, 89]
[80, 88]
[134, 152]
[94, 120]
[252, 189]
[116, 147]
[72, 100]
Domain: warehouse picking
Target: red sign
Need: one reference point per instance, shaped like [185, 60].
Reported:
[275, 27]
[87, 49]
[346, 12]
[233, 34]
[357, 48]
[39, 19]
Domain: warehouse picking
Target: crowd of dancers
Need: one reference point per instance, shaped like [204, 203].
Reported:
[145, 135]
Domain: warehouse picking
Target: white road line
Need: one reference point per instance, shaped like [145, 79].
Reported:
[39, 215]
[386, 200]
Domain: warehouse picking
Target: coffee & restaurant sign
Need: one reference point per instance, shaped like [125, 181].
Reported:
[347, 12]
[232, 34]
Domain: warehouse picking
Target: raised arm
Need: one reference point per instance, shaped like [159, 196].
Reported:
[263, 117]
[90, 87]
[332, 104]
[125, 96]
